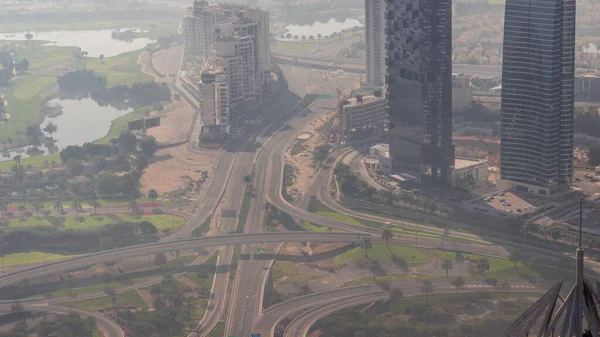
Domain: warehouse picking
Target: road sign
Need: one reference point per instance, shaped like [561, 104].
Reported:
[260, 250]
[324, 96]
[255, 335]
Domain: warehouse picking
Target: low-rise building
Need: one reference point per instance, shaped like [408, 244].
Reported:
[363, 116]
[462, 94]
[469, 172]
[381, 152]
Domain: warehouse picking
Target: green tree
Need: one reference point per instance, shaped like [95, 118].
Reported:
[152, 194]
[69, 279]
[51, 128]
[160, 259]
[28, 36]
[387, 235]
[396, 293]
[458, 283]
[148, 146]
[366, 244]
[514, 256]
[447, 265]
[127, 141]
[427, 288]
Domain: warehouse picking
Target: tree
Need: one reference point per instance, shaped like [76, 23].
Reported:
[458, 283]
[107, 279]
[387, 235]
[427, 288]
[396, 293]
[160, 259]
[482, 265]
[152, 194]
[21, 209]
[447, 265]
[504, 286]
[51, 128]
[127, 141]
[386, 196]
[69, 279]
[366, 244]
[303, 288]
[515, 256]
[28, 36]
[101, 57]
[247, 179]
[149, 146]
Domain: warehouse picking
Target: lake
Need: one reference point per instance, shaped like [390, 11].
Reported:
[323, 28]
[81, 121]
[95, 42]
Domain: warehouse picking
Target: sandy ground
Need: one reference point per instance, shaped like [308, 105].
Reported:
[175, 168]
[187, 282]
[147, 297]
[300, 154]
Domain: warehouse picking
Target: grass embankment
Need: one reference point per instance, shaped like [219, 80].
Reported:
[120, 69]
[380, 252]
[31, 257]
[129, 299]
[120, 124]
[160, 221]
[217, 331]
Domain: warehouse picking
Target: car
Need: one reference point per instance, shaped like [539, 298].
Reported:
[577, 179]
[501, 194]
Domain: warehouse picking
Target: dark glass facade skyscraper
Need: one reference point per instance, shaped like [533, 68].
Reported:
[419, 88]
[538, 95]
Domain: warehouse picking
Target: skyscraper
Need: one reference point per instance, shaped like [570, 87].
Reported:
[419, 87]
[538, 96]
[375, 41]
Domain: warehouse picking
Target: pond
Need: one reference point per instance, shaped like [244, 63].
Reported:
[324, 28]
[81, 121]
[95, 42]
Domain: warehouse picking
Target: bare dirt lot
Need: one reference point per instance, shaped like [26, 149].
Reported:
[300, 155]
[173, 169]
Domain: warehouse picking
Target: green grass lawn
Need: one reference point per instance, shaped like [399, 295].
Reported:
[217, 331]
[26, 222]
[120, 124]
[86, 221]
[340, 217]
[504, 269]
[161, 221]
[380, 252]
[31, 257]
[391, 278]
[286, 269]
[194, 275]
[314, 228]
[36, 162]
[130, 299]
[120, 69]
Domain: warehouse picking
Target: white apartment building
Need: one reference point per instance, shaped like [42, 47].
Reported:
[363, 117]
[202, 21]
[240, 68]
[214, 92]
[375, 42]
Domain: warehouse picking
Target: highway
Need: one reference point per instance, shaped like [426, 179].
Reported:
[301, 324]
[326, 56]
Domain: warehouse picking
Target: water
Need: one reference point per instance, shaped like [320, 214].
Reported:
[81, 121]
[95, 42]
[323, 28]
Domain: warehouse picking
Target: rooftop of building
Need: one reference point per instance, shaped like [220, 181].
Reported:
[464, 162]
[359, 100]
[507, 202]
[213, 65]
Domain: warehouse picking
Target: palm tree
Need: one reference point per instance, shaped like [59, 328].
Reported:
[101, 58]
[447, 265]
[22, 210]
[514, 256]
[458, 282]
[396, 293]
[319, 36]
[69, 278]
[387, 235]
[427, 288]
[247, 179]
[152, 194]
[504, 286]
[366, 244]
[28, 36]
[26, 283]
[51, 128]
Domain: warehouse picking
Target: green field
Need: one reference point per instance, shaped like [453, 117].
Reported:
[340, 217]
[120, 69]
[36, 162]
[380, 252]
[391, 278]
[130, 299]
[161, 221]
[120, 124]
[31, 257]
[286, 269]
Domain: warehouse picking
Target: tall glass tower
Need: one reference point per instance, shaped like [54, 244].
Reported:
[419, 88]
[538, 96]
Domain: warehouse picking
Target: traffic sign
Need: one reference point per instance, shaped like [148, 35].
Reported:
[324, 96]
[255, 335]
[260, 250]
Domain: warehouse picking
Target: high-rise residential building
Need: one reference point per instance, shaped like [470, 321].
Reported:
[214, 92]
[538, 96]
[375, 41]
[239, 52]
[419, 88]
[202, 21]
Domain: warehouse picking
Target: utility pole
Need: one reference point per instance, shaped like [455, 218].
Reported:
[2, 244]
